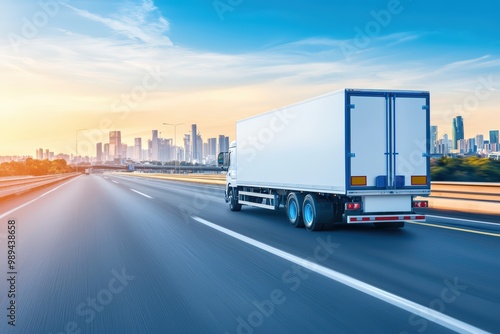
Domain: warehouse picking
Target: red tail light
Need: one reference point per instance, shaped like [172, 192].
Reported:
[353, 206]
[421, 204]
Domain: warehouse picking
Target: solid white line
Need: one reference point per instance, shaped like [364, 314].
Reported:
[35, 199]
[464, 220]
[407, 305]
[141, 193]
[114, 181]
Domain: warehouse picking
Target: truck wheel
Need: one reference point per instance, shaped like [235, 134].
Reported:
[316, 212]
[293, 209]
[233, 201]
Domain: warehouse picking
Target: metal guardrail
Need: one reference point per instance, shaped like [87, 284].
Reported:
[12, 186]
[466, 190]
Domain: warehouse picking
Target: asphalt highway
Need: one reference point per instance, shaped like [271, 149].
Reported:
[120, 254]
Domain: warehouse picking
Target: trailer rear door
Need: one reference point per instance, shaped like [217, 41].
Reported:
[387, 140]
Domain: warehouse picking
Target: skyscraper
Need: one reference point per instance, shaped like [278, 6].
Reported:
[115, 145]
[434, 138]
[494, 137]
[194, 142]
[106, 152]
[187, 148]
[138, 149]
[154, 146]
[457, 132]
[212, 147]
[480, 142]
[199, 144]
[98, 149]
[223, 144]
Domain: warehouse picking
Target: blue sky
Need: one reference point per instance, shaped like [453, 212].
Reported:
[79, 62]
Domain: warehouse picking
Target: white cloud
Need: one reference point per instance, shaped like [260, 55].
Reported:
[137, 22]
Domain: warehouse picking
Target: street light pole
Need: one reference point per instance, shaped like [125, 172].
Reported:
[175, 141]
[76, 147]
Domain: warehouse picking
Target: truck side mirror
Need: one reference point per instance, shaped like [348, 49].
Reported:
[223, 160]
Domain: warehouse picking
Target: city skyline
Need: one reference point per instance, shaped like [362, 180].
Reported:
[132, 66]
[155, 148]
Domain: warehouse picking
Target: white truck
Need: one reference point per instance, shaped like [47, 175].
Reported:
[353, 156]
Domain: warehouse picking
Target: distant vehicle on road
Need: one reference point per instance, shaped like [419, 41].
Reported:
[348, 157]
[87, 171]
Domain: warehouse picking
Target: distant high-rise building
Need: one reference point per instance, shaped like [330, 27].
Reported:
[130, 152]
[155, 146]
[115, 145]
[194, 142]
[150, 150]
[187, 148]
[471, 146]
[46, 154]
[165, 149]
[138, 149]
[39, 154]
[457, 131]
[106, 153]
[212, 147]
[434, 138]
[98, 149]
[480, 142]
[494, 137]
[223, 144]
[462, 146]
[124, 151]
[199, 144]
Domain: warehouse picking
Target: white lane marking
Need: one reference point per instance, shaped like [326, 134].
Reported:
[405, 304]
[106, 177]
[35, 199]
[454, 228]
[464, 220]
[142, 194]
[115, 181]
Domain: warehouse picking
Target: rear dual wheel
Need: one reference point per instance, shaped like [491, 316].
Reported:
[294, 209]
[316, 212]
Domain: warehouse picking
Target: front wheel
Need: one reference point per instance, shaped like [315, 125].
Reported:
[233, 201]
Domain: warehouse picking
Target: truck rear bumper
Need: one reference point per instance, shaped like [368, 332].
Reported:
[384, 218]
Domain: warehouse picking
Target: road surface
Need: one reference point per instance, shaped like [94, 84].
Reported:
[120, 254]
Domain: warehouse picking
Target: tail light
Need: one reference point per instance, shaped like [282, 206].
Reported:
[353, 206]
[420, 204]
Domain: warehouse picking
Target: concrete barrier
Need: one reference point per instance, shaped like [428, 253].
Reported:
[466, 197]
[11, 186]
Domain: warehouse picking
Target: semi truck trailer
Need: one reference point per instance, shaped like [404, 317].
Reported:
[353, 156]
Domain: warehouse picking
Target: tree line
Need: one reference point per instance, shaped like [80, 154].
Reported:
[35, 167]
[470, 169]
